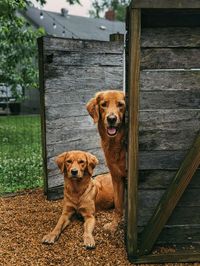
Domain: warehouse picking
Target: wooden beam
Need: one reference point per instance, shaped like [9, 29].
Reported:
[170, 198]
[133, 113]
[40, 42]
[179, 4]
[182, 256]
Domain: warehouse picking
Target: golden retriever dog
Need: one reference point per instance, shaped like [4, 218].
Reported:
[107, 109]
[82, 194]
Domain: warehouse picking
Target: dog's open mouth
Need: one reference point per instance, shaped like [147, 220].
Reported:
[111, 131]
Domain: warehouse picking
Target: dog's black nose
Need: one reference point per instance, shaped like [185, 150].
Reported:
[111, 119]
[74, 171]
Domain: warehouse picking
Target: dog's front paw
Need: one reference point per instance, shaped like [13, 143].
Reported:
[110, 227]
[89, 242]
[49, 238]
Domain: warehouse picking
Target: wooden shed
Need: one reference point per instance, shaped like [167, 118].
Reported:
[71, 72]
[163, 89]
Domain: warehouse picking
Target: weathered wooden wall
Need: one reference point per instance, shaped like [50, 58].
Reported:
[169, 123]
[71, 72]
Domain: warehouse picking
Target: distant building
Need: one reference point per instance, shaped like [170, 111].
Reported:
[68, 26]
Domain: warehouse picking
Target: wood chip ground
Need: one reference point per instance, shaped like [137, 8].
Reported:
[26, 218]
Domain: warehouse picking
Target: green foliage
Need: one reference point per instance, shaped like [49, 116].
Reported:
[118, 6]
[20, 153]
[18, 49]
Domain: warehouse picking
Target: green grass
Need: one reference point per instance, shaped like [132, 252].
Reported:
[20, 153]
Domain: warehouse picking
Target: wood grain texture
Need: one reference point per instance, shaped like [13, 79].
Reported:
[160, 160]
[40, 44]
[174, 58]
[189, 206]
[171, 197]
[74, 71]
[169, 121]
[170, 257]
[175, 99]
[133, 118]
[173, 89]
[168, 129]
[152, 186]
[85, 78]
[170, 80]
[61, 59]
[160, 179]
[70, 45]
[176, 37]
[180, 235]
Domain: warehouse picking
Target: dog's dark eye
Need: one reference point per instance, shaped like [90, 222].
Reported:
[69, 161]
[120, 104]
[81, 161]
[104, 104]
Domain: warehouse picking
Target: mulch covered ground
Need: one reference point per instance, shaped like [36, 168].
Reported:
[25, 219]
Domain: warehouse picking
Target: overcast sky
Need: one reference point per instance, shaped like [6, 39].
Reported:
[56, 5]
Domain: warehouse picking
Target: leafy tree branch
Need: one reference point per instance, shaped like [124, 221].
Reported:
[18, 47]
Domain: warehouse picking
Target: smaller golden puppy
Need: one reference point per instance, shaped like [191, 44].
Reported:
[82, 194]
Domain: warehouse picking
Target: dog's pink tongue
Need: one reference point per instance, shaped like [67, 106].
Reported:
[112, 131]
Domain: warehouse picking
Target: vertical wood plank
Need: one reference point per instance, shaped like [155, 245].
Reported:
[171, 198]
[42, 110]
[133, 113]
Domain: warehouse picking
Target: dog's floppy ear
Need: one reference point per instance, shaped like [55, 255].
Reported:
[60, 160]
[93, 109]
[92, 162]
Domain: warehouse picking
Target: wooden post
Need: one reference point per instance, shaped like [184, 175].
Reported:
[133, 113]
[42, 111]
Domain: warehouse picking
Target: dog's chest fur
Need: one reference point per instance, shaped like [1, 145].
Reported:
[115, 155]
[77, 195]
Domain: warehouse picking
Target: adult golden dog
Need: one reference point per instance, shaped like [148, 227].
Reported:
[82, 194]
[107, 109]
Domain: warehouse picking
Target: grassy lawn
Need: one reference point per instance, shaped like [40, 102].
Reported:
[20, 153]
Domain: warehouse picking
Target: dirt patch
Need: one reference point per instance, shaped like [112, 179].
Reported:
[25, 219]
